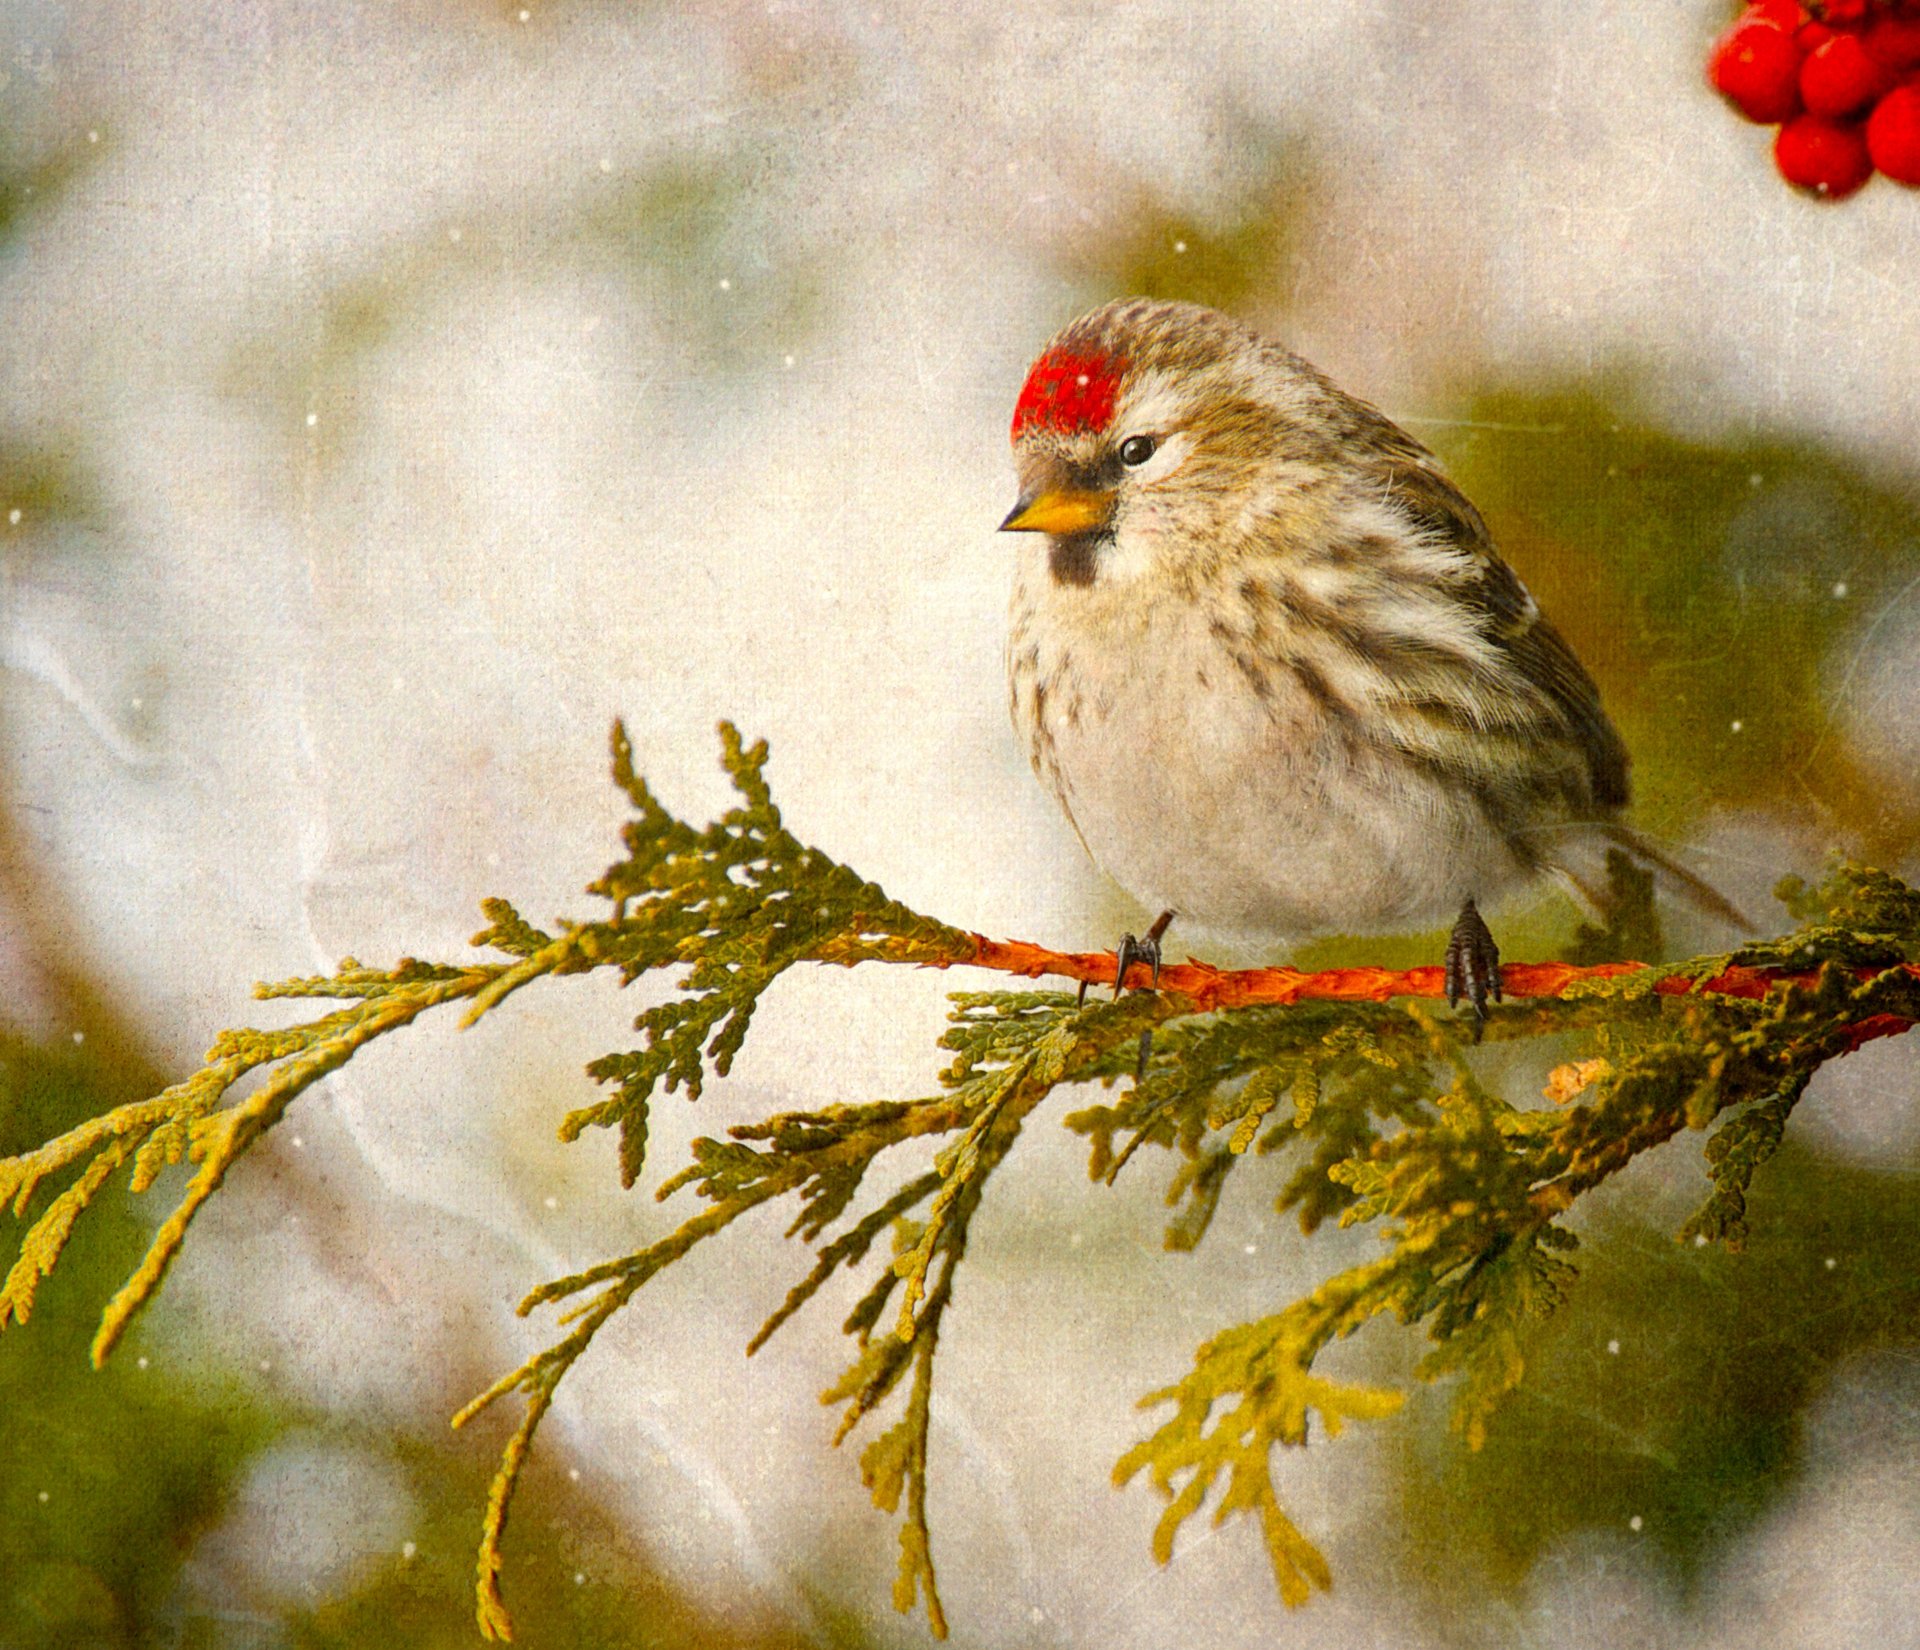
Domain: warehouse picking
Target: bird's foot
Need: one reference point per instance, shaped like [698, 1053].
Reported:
[1138, 949]
[1145, 951]
[1473, 966]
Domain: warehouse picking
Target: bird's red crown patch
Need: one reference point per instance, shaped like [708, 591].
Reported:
[1068, 392]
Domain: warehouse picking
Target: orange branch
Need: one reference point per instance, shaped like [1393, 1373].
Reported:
[1212, 988]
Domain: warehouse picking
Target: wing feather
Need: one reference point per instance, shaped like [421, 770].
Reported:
[1543, 679]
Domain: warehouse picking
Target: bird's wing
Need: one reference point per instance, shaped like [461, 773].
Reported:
[1546, 685]
[1555, 681]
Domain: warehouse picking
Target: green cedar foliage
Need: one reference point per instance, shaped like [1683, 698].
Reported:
[1377, 1112]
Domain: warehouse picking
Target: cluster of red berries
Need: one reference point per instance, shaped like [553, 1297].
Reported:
[1840, 78]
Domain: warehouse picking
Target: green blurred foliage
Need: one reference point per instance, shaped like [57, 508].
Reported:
[1693, 1425]
[689, 222]
[43, 475]
[1234, 255]
[1705, 585]
[46, 481]
[132, 1462]
[31, 182]
[579, 1576]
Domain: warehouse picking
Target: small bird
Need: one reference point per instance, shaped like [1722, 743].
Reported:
[1271, 665]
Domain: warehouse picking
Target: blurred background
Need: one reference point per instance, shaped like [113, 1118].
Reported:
[392, 394]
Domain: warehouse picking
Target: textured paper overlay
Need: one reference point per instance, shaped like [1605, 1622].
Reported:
[394, 395]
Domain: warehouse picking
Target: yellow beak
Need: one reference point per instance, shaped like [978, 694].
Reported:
[1062, 512]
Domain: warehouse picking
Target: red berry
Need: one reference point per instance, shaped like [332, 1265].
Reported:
[1756, 66]
[1895, 41]
[1812, 36]
[1788, 14]
[1844, 14]
[1893, 135]
[1828, 157]
[1840, 78]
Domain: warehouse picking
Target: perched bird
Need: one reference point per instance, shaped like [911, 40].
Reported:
[1267, 658]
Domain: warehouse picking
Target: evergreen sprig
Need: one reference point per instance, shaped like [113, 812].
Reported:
[1380, 1110]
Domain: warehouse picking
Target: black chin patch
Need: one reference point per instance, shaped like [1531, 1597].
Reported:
[1074, 558]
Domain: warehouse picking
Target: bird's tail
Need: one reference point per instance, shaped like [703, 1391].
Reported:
[1591, 888]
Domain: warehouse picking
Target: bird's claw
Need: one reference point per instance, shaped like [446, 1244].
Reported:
[1141, 950]
[1133, 951]
[1473, 966]
[1136, 949]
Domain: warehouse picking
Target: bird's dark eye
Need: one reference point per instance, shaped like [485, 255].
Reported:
[1136, 450]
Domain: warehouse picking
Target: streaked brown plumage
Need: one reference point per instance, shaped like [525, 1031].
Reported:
[1267, 657]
